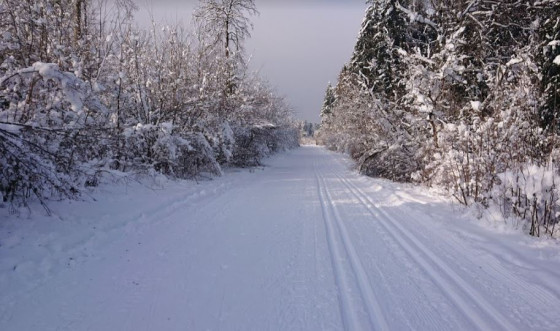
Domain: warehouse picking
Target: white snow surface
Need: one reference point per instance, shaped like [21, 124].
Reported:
[302, 244]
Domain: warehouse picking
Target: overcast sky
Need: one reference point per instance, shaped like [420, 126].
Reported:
[297, 45]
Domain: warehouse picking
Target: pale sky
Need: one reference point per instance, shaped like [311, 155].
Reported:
[298, 46]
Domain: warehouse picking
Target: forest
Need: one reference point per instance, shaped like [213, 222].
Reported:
[85, 91]
[151, 179]
[459, 94]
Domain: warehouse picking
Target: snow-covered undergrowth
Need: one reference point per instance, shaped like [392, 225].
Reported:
[529, 198]
[79, 100]
[524, 202]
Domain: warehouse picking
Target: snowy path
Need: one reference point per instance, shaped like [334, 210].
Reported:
[304, 244]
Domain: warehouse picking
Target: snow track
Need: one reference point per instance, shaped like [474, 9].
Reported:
[348, 309]
[303, 244]
[468, 300]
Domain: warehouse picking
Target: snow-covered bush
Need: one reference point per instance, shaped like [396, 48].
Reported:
[84, 91]
[29, 170]
[158, 147]
[251, 145]
[259, 141]
[531, 194]
[48, 129]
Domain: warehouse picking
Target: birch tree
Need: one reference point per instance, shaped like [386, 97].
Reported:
[228, 24]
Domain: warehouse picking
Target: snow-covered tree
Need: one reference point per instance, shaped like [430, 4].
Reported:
[228, 24]
[330, 99]
[84, 92]
[455, 94]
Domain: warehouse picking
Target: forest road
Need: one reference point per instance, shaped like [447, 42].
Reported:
[303, 244]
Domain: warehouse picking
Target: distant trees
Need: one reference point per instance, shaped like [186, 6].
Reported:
[83, 92]
[461, 94]
[308, 129]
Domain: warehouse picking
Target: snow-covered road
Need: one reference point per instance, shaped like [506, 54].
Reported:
[304, 244]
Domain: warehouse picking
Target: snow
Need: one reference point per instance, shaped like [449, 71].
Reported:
[414, 16]
[534, 180]
[514, 61]
[475, 105]
[47, 70]
[557, 60]
[402, 51]
[303, 244]
[70, 84]
[15, 129]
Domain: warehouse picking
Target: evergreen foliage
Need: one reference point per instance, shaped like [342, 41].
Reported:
[461, 94]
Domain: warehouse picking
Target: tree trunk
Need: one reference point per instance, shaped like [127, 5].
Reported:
[78, 22]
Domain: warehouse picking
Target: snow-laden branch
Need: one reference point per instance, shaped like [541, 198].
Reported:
[76, 91]
[416, 17]
[25, 71]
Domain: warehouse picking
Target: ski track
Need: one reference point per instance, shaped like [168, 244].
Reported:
[305, 244]
[348, 310]
[538, 291]
[448, 281]
[366, 292]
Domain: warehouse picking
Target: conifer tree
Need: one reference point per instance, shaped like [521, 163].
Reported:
[329, 101]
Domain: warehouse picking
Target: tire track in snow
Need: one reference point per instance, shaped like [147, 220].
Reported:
[451, 284]
[348, 309]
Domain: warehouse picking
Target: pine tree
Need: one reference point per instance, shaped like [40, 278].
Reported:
[390, 30]
[329, 101]
[547, 51]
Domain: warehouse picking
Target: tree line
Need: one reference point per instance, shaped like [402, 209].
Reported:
[461, 94]
[84, 91]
